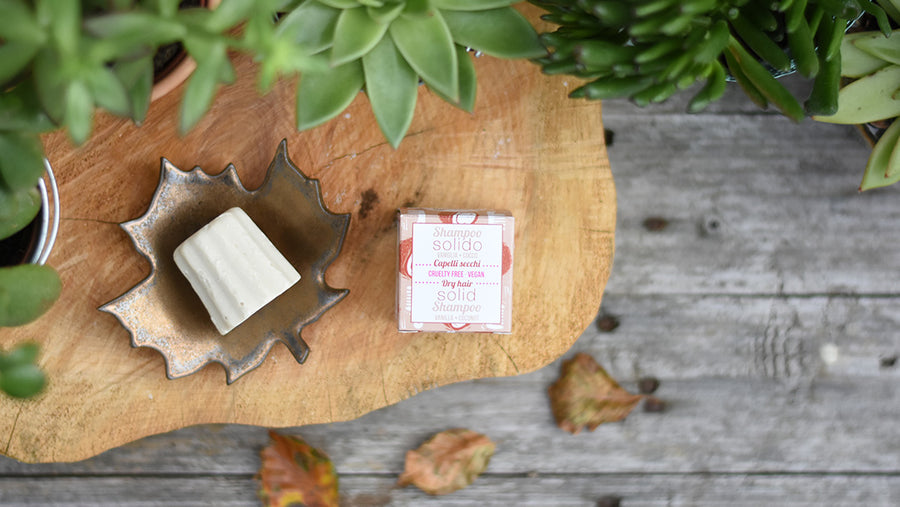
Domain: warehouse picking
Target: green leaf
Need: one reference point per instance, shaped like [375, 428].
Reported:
[503, 33]
[885, 48]
[137, 77]
[892, 8]
[51, 86]
[19, 23]
[108, 91]
[467, 82]
[21, 160]
[24, 353]
[228, 14]
[340, 4]
[65, 23]
[355, 35]
[79, 116]
[20, 109]
[194, 19]
[131, 31]
[212, 63]
[167, 8]
[711, 91]
[285, 58]
[323, 95]
[854, 61]
[418, 8]
[426, 44]
[15, 57]
[26, 292]
[763, 80]
[17, 210]
[386, 13]
[870, 98]
[877, 167]
[23, 381]
[884, 24]
[892, 171]
[471, 5]
[311, 25]
[392, 87]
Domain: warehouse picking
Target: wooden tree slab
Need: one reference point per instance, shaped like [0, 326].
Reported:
[528, 148]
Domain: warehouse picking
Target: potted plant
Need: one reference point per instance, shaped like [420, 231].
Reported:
[388, 47]
[649, 50]
[868, 98]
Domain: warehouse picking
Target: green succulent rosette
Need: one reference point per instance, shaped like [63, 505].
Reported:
[386, 47]
[871, 95]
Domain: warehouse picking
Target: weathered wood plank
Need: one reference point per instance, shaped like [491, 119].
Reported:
[768, 337]
[755, 204]
[129, 491]
[736, 425]
[634, 490]
[761, 354]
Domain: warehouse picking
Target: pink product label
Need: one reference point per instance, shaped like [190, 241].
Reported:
[456, 273]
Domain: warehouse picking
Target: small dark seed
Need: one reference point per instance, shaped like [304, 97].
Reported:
[889, 362]
[654, 405]
[607, 323]
[648, 385]
[655, 224]
[609, 501]
[609, 137]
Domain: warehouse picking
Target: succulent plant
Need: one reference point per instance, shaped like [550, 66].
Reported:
[648, 50]
[387, 46]
[871, 66]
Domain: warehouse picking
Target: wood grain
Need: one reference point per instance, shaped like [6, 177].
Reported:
[783, 196]
[723, 425]
[634, 490]
[527, 148]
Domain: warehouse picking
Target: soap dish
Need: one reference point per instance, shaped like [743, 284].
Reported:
[164, 313]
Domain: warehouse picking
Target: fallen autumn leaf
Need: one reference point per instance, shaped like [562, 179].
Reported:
[585, 395]
[294, 473]
[449, 461]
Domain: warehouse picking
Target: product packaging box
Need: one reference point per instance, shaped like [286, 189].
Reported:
[455, 270]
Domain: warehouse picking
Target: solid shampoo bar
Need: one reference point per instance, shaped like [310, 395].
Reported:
[234, 268]
[455, 271]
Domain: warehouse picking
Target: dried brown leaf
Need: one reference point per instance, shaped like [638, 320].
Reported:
[294, 473]
[585, 395]
[449, 461]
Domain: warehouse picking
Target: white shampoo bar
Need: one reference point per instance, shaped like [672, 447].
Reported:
[234, 268]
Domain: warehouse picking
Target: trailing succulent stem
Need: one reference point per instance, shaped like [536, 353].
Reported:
[648, 50]
[871, 66]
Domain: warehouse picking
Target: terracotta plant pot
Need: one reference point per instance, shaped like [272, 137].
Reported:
[178, 67]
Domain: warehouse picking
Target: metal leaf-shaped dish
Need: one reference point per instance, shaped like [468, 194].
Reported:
[163, 312]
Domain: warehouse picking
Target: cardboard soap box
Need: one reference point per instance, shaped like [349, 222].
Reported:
[455, 270]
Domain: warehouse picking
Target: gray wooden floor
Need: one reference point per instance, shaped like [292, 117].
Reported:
[768, 305]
